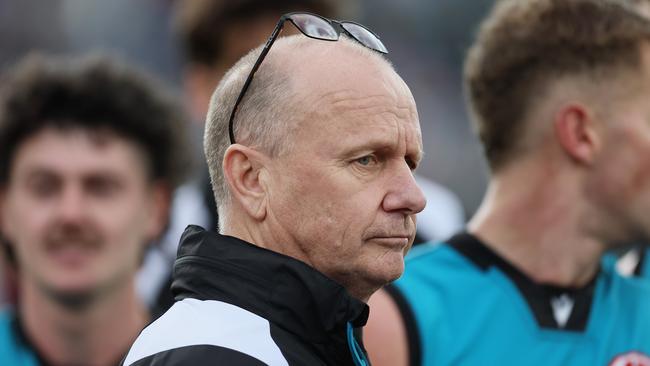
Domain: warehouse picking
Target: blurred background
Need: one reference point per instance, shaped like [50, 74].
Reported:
[426, 39]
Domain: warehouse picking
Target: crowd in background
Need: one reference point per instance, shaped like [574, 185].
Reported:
[427, 42]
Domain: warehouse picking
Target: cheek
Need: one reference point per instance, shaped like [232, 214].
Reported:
[639, 181]
[306, 192]
[316, 209]
[633, 165]
[123, 225]
[331, 199]
[642, 158]
[25, 224]
[124, 248]
[26, 228]
[625, 172]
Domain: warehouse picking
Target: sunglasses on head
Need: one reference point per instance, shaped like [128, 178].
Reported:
[316, 27]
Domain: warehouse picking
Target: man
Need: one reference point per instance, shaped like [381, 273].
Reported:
[214, 34]
[313, 175]
[89, 154]
[559, 93]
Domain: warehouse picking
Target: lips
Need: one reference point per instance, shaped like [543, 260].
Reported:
[72, 248]
[389, 234]
[71, 255]
[392, 241]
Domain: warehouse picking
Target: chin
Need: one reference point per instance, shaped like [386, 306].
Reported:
[393, 277]
[388, 274]
[72, 297]
[393, 267]
[70, 280]
[69, 283]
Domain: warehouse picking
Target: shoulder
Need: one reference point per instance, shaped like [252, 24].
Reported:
[6, 315]
[434, 297]
[435, 277]
[621, 306]
[195, 330]
[626, 300]
[435, 266]
[632, 291]
[442, 283]
[6, 333]
[12, 349]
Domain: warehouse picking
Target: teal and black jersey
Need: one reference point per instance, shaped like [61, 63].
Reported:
[465, 305]
[14, 349]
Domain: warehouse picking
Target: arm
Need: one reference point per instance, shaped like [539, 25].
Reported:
[385, 335]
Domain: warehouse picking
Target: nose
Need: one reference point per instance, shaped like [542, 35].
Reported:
[71, 205]
[404, 194]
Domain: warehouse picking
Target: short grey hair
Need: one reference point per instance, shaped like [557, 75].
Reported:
[266, 116]
[262, 121]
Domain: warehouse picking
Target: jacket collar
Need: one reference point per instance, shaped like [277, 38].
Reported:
[286, 291]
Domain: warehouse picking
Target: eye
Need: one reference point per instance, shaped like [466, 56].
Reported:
[366, 160]
[44, 186]
[102, 186]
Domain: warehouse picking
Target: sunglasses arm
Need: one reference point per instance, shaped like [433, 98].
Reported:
[260, 58]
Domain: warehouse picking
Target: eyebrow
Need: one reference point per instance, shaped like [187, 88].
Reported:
[37, 170]
[383, 144]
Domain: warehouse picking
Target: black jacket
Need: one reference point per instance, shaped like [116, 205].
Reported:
[239, 304]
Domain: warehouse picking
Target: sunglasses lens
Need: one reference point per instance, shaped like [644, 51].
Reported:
[363, 35]
[313, 26]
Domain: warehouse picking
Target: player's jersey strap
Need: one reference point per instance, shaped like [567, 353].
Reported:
[554, 307]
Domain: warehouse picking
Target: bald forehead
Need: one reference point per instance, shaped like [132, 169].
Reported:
[329, 64]
[317, 69]
[342, 79]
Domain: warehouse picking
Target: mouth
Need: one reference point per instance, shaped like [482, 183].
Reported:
[395, 242]
[71, 254]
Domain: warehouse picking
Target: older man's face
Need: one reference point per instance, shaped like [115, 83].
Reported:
[345, 195]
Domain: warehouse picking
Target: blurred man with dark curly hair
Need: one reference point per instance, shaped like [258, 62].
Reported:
[89, 155]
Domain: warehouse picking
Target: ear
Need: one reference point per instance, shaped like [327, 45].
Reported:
[575, 129]
[244, 170]
[160, 206]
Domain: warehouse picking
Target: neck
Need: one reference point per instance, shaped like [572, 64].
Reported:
[98, 334]
[538, 227]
